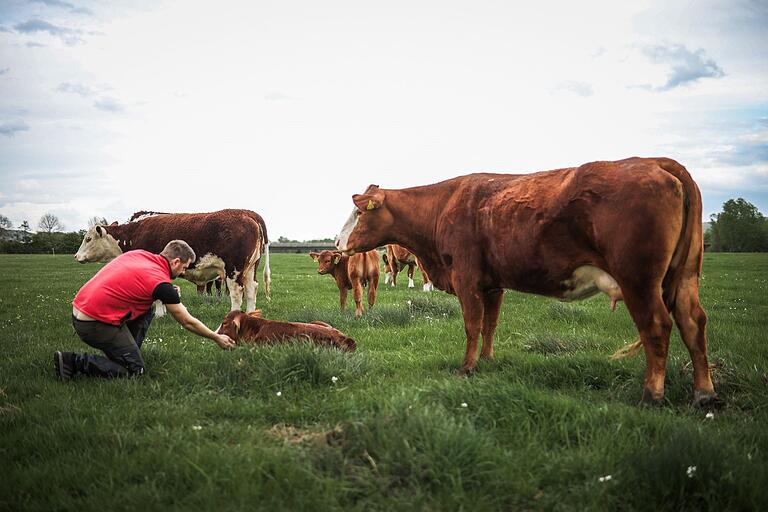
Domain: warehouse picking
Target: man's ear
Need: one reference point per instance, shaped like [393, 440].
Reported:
[314, 255]
[372, 198]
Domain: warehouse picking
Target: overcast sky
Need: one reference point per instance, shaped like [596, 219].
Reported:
[290, 107]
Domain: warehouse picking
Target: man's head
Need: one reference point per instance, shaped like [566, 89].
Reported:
[179, 255]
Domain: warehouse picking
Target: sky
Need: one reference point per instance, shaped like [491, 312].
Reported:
[288, 108]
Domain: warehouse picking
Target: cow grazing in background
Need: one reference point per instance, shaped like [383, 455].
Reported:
[267, 277]
[252, 328]
[228, 244]
[397, 258]
[630, 228]
[351, 273]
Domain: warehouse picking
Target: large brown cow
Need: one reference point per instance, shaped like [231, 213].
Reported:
[630, 228]
[351, 273]
[228, 243]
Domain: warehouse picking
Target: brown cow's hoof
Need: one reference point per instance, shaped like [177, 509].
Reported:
[706, 400]
[651, 400]
[465, 371]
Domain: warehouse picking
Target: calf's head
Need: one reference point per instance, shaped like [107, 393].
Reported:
[326, 260]
[369, 224]
[98, 246]
[232, 325]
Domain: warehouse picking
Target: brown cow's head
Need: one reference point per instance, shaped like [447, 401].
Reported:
[326, 260]
[369, 223]
[233, 322]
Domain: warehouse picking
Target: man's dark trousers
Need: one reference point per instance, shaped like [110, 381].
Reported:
[121, 345]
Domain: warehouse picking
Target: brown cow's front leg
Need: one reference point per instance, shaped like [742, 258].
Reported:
[492, 307]
[472, 309]
[343, 297]
[357, 292]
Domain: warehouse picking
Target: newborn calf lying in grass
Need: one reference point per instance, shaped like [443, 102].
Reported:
[251, 328]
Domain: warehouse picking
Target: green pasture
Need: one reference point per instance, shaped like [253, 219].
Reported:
[541, 427]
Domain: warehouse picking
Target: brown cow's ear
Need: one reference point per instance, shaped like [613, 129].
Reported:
[236, 322]
[114, 223]
[369, 201]
[314, 255]
[255, 314]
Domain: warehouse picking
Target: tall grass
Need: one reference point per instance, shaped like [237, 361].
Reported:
[391, 426]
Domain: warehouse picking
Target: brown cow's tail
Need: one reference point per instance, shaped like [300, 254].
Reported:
[267, 272]
[688, 252]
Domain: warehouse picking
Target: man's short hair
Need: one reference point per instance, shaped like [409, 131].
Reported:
[178, 249]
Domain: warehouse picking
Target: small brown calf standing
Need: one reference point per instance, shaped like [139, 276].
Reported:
[351, 272]
[251, 328]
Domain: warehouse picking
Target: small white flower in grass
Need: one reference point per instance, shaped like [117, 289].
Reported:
[690, 471]
[279, 393]
[408, 302]
[197, 427]
[710, 416]
[605, 478]
[464, 404]
[334, 379]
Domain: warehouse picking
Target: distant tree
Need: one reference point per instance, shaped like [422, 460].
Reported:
[96, 220]
[5, 222]
[48, 225]
[740, 227]
[24, 226]
[284, 240]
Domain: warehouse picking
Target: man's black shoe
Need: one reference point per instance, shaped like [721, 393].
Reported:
[64, 364]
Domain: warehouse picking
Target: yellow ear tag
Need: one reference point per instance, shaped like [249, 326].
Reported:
[336, 260]
[371, 205]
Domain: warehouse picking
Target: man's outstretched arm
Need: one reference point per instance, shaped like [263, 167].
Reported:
[192, 324]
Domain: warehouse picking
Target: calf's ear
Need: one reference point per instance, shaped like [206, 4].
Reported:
[236, 323]
[336, 257]
[255, 314]
[314, 255]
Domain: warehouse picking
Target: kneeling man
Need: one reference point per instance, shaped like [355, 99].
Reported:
[112, 311]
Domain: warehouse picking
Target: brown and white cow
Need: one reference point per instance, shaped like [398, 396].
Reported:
[397, 258]
[351, 273]
[630, 228]
[228, 244]
[252, 328]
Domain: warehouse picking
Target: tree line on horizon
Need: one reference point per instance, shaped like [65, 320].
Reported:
[739, 227]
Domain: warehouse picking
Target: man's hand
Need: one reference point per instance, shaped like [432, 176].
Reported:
[224, 342]
[178, 290]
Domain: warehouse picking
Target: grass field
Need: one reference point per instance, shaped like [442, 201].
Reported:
[268, 428]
